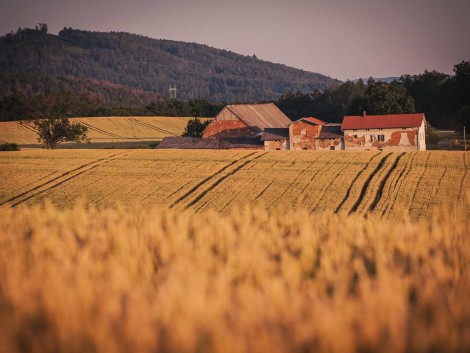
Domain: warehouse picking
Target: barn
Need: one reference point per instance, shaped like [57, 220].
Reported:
[243, 120]
[403, 132]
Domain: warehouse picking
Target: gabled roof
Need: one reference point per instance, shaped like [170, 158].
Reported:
[382, 121]
[260, 116]
[272, 134]
[313, 120]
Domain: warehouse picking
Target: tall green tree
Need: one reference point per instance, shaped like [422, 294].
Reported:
[383, 98]
[50, 114]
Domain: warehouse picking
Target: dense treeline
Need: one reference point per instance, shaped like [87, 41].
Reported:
[198, 71]
[444, 99]
[68, 104]
[105, 93]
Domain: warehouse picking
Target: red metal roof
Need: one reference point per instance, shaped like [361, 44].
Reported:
[312, 120]
[382, 121]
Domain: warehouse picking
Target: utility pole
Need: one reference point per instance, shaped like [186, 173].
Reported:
[172, 91]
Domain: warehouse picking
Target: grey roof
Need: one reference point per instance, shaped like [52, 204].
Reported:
[272, 134]
[260, 116]
[182, 142]
[330, 131]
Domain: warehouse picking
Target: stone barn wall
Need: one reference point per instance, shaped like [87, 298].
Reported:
[303, 135]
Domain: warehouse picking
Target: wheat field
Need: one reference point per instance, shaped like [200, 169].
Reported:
[382, 184]
[162, 280]
[103, 131]
[234, 251]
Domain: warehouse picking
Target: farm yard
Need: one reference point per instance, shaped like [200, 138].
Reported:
[104, 132]
[384, 184]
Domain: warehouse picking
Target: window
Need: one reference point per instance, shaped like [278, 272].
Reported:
[303, 132]
[381, 138]
[332, 147]
[367, 129]
[380, 129]
[355, 136]
[304, 148]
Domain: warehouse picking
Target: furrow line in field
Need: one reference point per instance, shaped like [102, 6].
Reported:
[147, 125]
[393, 194]
[221, 179]
[228, 188]
[47, 183]
[296, 199]
[382, 183]
[163, 185]
[367, 183]
[207, 179]
[417, 183]
[289, 187]
[96, 165]
[101, 131]
[25, 125]
[312, 209]
[348, 192]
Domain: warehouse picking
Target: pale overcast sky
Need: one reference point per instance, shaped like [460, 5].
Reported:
[340, 38]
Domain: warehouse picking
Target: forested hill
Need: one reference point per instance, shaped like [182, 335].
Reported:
[198, 71]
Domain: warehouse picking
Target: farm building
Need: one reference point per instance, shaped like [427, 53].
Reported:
[315, 134]
[275, 138]
[404, 132]
[246, 120]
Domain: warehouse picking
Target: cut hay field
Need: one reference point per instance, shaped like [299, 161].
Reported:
[103, 131]
[383, 183]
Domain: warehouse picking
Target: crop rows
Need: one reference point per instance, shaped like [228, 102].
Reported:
[386, 184]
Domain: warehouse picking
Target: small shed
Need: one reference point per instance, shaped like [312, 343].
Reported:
[275, 139]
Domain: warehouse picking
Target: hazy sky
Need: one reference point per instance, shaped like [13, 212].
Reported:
[340, 38]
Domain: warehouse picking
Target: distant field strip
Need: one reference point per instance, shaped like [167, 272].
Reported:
[381, 183]
[103, 129]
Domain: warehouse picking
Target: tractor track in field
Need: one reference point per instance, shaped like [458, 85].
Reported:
[207, 180]
[61, 179]
[101, 131]
[418, 184]
[27, 127]
[299, 195]
[323, 192]
[288, 189]
[218, 181]
[367, 183]
[403, 174]
[348, 192]
[384, 180]
[149, 126]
